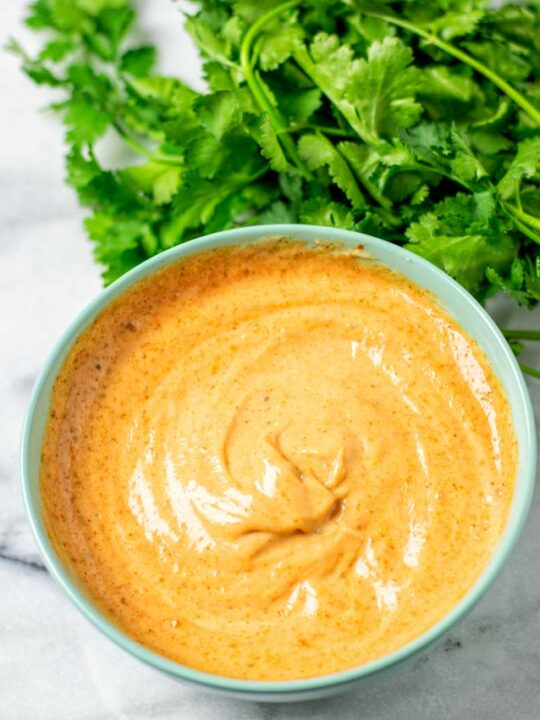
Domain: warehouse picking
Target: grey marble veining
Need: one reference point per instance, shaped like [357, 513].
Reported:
[53, 664]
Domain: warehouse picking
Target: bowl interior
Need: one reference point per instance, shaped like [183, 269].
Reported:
[456, 301]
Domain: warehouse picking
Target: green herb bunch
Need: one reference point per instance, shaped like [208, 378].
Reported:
[418, 122]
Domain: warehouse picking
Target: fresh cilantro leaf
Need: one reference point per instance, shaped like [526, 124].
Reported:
[386, 85]
[271, 148]
[375, 95]
[196, 205]
[204, 28]
[68, 16]
[278, 44]
[94, 7]
[39, 15]
[489, 142]
[159, 180]
[116, 261]
[519, 23]
[444, 83]
[512, 284]
[291, 186]
[57, 50]
[403, 185]
[299, 105]
[138, 61]
[165, 90]
[218, 77]
[218, 112]
[36, 69]
[458, 22]
[277, 213]
[114, 22]
[318, 151]
[81, 171]
[447, 150]
[117, 243]
[525, 164]
[86, 123]
[420, 195]
[206, 154]
[319, 211]
[465, 165]
[464, 235]
[507, 62]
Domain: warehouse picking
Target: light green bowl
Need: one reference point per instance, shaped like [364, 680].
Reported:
[464, 309]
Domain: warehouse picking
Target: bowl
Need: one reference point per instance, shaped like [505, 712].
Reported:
[466, 311]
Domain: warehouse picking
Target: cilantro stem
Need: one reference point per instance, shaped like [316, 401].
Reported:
[374, 192]
[256, 88]
[531, 335]
[533, 372]
[145, 152]
[327, 130]
[497, 80]
[516, 346]
[255, 175]
[525, 217]
[522, 221]
[522, 334]
[420, 167]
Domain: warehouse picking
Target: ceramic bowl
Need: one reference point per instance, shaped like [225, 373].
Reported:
[459, 303]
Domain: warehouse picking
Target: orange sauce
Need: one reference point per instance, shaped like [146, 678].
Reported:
[276, 462]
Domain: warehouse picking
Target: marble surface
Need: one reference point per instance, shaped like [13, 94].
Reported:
[53, 664]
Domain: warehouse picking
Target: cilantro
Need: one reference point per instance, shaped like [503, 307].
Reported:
[317, 150]
[464, 235]
[419, 123]
[218, 112]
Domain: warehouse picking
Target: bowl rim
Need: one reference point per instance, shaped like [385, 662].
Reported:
[516, 519]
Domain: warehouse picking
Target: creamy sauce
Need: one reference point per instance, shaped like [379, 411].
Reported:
[275, 462]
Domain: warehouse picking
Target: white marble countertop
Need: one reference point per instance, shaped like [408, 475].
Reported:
[53, 664]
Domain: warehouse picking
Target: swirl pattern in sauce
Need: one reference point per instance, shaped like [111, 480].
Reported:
[276, 462]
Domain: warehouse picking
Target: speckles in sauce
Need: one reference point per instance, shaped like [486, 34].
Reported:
[276, 461]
